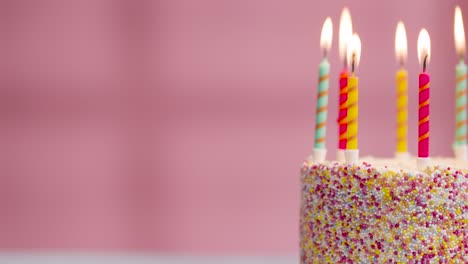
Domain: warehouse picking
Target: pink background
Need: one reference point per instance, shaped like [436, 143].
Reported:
[181, 125]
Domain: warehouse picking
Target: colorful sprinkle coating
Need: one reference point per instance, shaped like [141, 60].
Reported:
[364, 214]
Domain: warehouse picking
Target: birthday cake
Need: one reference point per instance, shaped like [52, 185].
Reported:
[384, 211]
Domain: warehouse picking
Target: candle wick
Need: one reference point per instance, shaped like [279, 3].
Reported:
[424, 63]
[352, 62]
[324, 53]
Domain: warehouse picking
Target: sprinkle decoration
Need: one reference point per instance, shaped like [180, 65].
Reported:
[343, 110]
[423, 125]
[364, 214]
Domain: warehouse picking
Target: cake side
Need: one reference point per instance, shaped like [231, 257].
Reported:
[368, 214]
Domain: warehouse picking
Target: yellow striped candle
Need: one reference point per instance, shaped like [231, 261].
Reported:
[401, 51]
[353, 110]
[354, 55]
[402, 111]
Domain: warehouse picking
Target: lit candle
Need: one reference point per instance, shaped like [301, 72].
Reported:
[322, 98]
[424, 55]
[401, 51]
[346, 31]
[460, 144]
[354, 54]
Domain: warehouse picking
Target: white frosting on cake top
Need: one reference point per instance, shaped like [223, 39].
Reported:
[410, 163]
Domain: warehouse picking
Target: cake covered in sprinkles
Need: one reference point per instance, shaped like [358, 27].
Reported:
[384, 211]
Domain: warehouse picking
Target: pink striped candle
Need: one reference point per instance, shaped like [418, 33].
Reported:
[424, 104]
[343, 110]
[424, 54]
[345, 33]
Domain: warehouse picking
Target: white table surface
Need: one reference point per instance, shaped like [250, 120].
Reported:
[76, 258]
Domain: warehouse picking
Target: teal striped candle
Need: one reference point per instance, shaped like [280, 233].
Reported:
[322, 105]
[460, 105]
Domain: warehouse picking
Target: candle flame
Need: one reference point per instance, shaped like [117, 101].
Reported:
[459, 32]
[345, 33]
[327, 35]
[401, 43]
[424, 46]
[354, 51]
